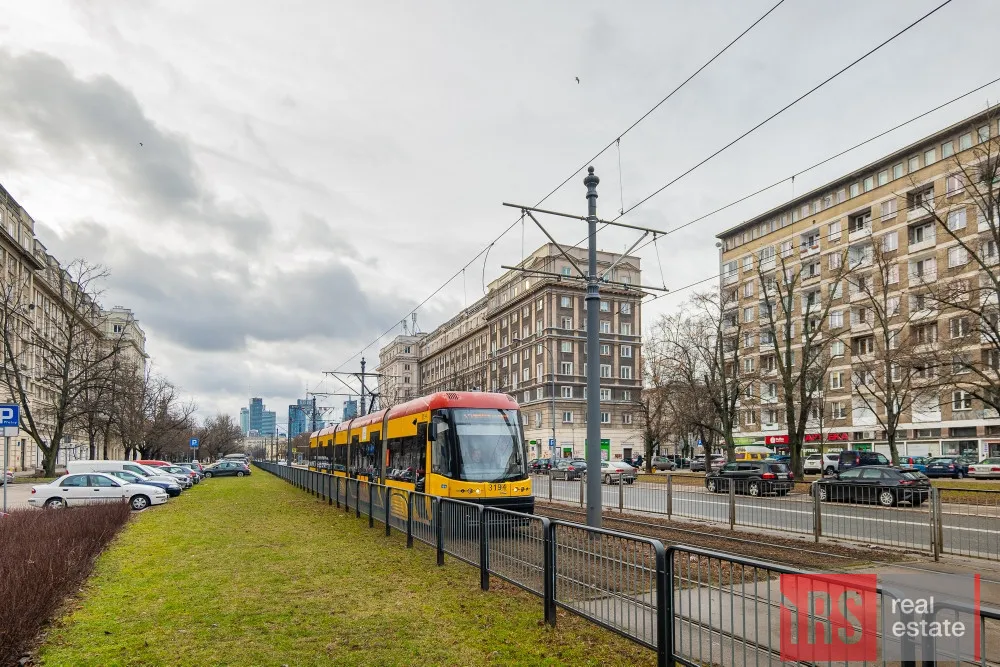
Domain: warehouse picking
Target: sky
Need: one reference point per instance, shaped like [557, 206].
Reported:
[272, 186]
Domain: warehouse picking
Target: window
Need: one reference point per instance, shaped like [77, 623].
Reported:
[748, 365]
[833, 231]
[869, 183]
[890, 242]
[625, 308]
[566, 392]
[538, 420]
[538, 350]
[749, 417]
[566, 367]
[897, 171]
[956, 219]
[965, 141]
[855, 189]
[539, 393]
[892, 274]
[984, 133]
[565, 302]
[605, 417]
[924, 268]
[748, 263]
[953, 185]
[605, 350]
[565, 346]
[748, 314]
[748, 289]
[627, 418]
[605, 370]
[627, 395]
[836, 319]
[567, 323]
[786, 248]
[961, 400]
[538, 371]
[947, 149]
[838, 411]
[605, 394]
[837, 380]
[730, 270]
[892, 306]
[625, 372]
[835, 260]
[913, 164]
[888, 209]
[929, 157]
[119, 328]
[605, 306]
[567, 417]
[605, 326]
[860, 222]
[883, 177]
[863, 345]
[958, 327]
[625, 328]
[837, 348]
[626, 351]
[957, 256]
[812, 270]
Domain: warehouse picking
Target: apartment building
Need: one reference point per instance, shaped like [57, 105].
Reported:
[527, 338]
[38, 297]
[905, 224]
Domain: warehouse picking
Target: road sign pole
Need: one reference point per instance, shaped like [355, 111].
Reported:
[6, 446]
[593, 302]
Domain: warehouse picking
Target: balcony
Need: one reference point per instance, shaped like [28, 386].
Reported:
[860, 233]
[921, 211]
[861, 327]
[922, 278]
[925, 244]
[858, 295]
[809, 250]
[773, 398]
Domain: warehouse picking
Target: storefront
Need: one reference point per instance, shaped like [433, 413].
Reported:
[968, 448]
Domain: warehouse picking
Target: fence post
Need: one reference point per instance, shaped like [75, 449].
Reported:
[371, 505]
[549, 571]
[550, 487]
[583, 483]
[336, 490]
[484, 566]
[732, 504]
[329, 488]
[664, 614]
[937, 520]
[357, 498]
[670, 495]
[817, 516]
[388, 507]
[409, 520]
[621, 492]
[439, 529]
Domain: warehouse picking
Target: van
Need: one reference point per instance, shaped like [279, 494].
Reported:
[752, 453]
[76, 467]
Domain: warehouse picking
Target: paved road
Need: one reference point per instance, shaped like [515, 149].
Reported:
[17, 495]
[967, 529]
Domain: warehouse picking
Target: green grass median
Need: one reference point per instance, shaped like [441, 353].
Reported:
[254, 572]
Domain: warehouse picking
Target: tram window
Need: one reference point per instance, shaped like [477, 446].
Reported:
[340, 457]
[374, 458]
[440, 461]
[408, 455]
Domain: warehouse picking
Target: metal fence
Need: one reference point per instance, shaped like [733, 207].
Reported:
[949, 520]
[692, 606]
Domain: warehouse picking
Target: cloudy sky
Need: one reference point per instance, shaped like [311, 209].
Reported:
[273, 185]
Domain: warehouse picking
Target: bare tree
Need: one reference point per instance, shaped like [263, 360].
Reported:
[151, 416]
[54, 353]
[797, 335]
[653, 404]
[218, 436]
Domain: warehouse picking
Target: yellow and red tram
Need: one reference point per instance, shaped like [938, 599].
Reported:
[464, 445]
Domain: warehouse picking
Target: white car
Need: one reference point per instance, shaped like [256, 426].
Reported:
[612, 471]
[152, 474]
[95, 487]
[985, 469]
[821, 463]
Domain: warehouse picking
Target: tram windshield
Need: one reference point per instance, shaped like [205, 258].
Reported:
[490, 446]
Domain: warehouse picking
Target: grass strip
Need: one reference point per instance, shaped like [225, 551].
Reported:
[255, 572]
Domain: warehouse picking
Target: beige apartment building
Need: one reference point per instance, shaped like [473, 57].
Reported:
[526, 338]
[34, 304]
[886, 225]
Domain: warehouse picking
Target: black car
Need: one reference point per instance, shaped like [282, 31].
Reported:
[886, 486]
[569, 469]
[948, 466]
[853, 459]
[754, 478]
[540, 466]
[223, 468]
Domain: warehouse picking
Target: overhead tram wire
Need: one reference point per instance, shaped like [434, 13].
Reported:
[567, 179]
[770, 118]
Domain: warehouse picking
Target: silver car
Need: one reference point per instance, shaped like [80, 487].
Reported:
[617, 471]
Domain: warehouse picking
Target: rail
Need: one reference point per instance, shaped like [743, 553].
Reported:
[691, 606]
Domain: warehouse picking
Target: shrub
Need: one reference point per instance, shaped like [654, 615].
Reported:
[44, 556]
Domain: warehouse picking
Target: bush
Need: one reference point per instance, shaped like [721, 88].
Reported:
[44, 556]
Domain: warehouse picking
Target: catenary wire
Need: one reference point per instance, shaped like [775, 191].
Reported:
[485, 251]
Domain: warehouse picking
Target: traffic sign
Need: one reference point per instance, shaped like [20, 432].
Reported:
[194, 443]
[552, 442]
[10, 419]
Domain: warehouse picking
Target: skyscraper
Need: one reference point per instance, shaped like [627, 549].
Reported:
[245, 420]
[300, 417]
[267, 423]
[350, 409]
[256, 413]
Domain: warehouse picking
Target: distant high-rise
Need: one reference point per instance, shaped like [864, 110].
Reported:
[300, 418]
[267, 422]
[255, 420]
[256, 413]
[244, 420]
[350, 409]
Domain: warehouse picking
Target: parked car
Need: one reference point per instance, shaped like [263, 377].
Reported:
[540, 466]
[182, 475]
[698, 464]
[154, 462]
[918, 463]
[663, 463]
[569, 469]
[150, 473]
[779, 458]
[948, 466]
[172, 488]
[224, 468]
[985, 469]
[8, 477]
[853, 459]
[615, 471]
[72, 490]
[754, 478]
[886, 486]
[821, 463]
[193, 468]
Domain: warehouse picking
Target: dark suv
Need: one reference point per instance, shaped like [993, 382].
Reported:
[852, 459]
[754, 478]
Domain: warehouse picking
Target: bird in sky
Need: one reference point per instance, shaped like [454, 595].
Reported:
[140, 143]
[578, 79]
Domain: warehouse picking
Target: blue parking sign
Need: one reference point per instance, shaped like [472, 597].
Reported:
[10, 419]
[194, 443]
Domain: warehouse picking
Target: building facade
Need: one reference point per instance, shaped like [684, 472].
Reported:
[527, 338]
[872, 261]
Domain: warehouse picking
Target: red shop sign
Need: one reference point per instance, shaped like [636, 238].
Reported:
[776, 440]
[837, 437]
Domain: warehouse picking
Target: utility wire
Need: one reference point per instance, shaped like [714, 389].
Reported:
[567, 180]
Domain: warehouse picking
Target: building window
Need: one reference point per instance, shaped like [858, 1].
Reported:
[984, 133]
[567, 417]
[538, 420]
[855, 189]
[626, 372]
[863, 345]
[837, 348]
[836, 319]
[565, 346]
[605, 394]
[869, 183]
[838, 411]
[947, 149]
[626, 351]
[930, 157]
[605, 370]
[965, 141]
[625, 328]
[605, 306]
[625, 308]
[565, 302]
[956, 220]
[605, 417]
[627, 418]
[836, 379]
[540, 304]
[538, 371]
[890, 242]
[566, 367]
[913, 164]
[957, 256]
[627, 395]
[567, 392]
[605, 326]
[959, 327]
[897, 171]
[605, 350]
[539, 393]
[567, 323]
[889, 209]
[566, 271]
[961, 400]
